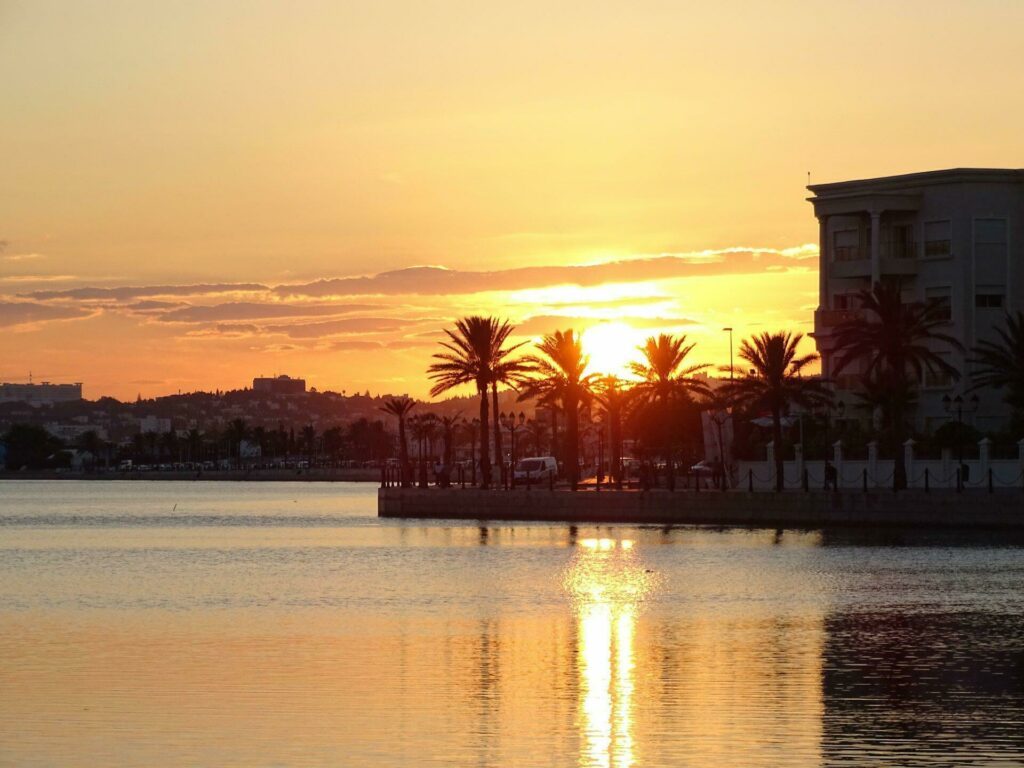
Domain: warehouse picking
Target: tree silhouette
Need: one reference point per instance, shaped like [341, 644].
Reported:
[561, 376]
[775, 383]
[1000, 364]
[613, 396]
[664, 378]
[475, 354]
[399, 407]
[896, 343]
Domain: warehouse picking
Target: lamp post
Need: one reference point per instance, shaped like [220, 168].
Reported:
[959, 406]
[510, 422]
[729, 329]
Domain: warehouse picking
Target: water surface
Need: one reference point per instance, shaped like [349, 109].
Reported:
[283, 624]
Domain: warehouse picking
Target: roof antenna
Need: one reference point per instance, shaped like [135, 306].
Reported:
[808, 178]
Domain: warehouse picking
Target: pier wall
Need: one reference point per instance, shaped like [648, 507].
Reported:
[943, 509]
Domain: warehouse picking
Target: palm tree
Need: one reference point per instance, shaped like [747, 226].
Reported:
[896, 343]
[775, 383]
[561, 375]
[475, 354]
[237, 431]
[665, 378]
[613, 396]
[1000, 364]
[448, 426]
[399, 407]
[504, 370]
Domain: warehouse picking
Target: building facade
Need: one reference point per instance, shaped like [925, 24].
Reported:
[279, 385]
[954, 235]
[44, 393]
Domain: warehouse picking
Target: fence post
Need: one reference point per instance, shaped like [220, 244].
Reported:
[990, 479]
[959, 485]
[985, 455]
[837, 459]
[798, 454]
[805, 481]
[873, 462]
[908, 460]
[864, 479]
[750, 480]
[926, 479]
[696, 482]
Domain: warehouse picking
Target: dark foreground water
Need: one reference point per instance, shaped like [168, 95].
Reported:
[278, 624]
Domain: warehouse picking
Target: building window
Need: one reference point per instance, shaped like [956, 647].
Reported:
[938, 239]
[988, 300]
[846, 245]
[941, 296]
[900, 242]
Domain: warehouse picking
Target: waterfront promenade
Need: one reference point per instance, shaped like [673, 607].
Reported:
[1001, 508]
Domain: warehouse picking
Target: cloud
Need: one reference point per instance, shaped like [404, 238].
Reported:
[18, 256]
[151, 305]
[541, 324]
[37, 278]
[250, 310]
[353, 345]
[14, 313]
[434, 280]
[345, 325]
[126, 293]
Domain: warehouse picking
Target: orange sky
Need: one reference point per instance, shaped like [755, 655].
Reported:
[222, 175]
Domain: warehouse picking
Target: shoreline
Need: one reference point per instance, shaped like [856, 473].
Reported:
[794, 509]
[235, 475]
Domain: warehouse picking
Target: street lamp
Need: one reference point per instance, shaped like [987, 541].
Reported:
[959, 406]
[509, 421]
[729, 329]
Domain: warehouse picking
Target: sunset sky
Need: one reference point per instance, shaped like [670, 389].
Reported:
[197, 193]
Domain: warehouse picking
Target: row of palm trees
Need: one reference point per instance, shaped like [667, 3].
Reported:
[556, 376]
[892, 342]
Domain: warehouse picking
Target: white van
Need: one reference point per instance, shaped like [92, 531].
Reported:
[536, 469]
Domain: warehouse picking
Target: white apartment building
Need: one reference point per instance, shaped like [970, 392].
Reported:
[956, 234]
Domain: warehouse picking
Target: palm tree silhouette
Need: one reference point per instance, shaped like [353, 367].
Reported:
[400, 407]
[561, 376]
[1000, 364]
[613, 396]
[476, 355]
[774, 383]
[664, 377]
[896, 343]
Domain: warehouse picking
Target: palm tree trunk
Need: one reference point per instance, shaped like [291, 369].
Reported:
[499, 457]
[777, 439]
[403, 454]
[485, 461]
[899, 464]
[572, 441]
[616, 447]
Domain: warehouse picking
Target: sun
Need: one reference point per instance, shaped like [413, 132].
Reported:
[612, 346]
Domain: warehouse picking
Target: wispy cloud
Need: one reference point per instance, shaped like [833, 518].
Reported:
[126, 293]
[26, 313]
[434, 280]
[251, 310]
[21, 256]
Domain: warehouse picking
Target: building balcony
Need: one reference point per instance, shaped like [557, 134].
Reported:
[826, 320]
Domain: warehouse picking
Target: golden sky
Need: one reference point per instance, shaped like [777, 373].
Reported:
[196, 193]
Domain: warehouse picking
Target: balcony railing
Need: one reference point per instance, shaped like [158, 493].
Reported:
[849, 253]
[904, 249]
[828, 318]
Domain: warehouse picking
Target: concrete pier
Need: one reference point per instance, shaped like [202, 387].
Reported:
[946, 509]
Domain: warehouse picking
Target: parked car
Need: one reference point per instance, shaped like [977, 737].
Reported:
[536, 469]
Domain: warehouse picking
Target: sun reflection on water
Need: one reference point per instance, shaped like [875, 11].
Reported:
[607, 584]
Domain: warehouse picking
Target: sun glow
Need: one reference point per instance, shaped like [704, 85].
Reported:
[612, 347]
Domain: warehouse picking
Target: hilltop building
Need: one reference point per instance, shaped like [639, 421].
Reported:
[44, 393]
[279, 385]
[956, 235]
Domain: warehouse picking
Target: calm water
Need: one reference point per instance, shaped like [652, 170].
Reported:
[279, 624]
